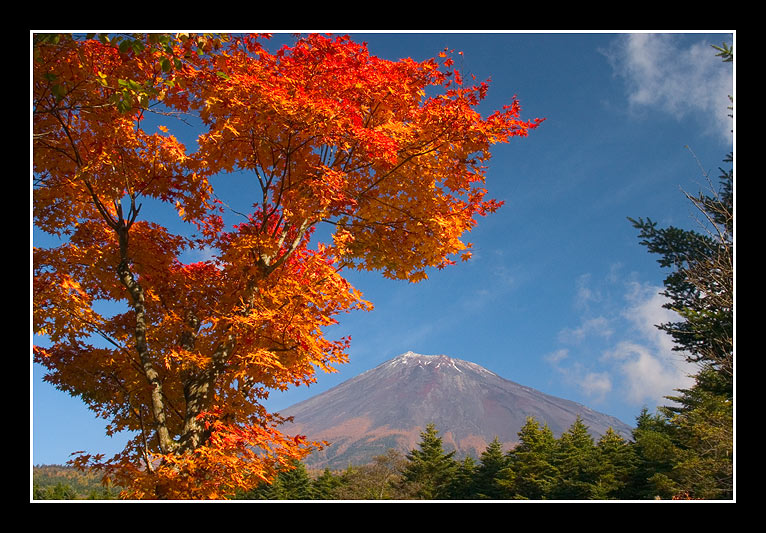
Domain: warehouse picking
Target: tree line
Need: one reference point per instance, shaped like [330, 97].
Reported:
[657, 463]
[57, 482]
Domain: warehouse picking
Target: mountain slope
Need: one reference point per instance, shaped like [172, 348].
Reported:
[389, 405]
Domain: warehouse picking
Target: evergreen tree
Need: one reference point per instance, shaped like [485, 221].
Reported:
[616, 463]
[429, 469]
[461, 487]
[325, 486]
[295, 483]
[492, 461]
[655, 456]
[292, 483]
[577, 464]
[530, 473]
[703, 423]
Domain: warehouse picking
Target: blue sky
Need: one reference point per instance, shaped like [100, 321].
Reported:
[559, 295]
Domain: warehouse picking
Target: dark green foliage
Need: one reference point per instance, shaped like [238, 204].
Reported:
[660, 461]
[295, 484]
[686, 450]
[492, 461]
[655, 456]
[576, 460]
[292, 483]
[701, 427]
[59, 491]
[325, 487]
[429, 469]
[571, 467]
[540, 467]
[531, 472]
[616, 463]
[461, 486]
[726, 52]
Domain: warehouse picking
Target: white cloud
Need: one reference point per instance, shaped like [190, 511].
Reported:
[621, 356]
[557, 356]
[585, 293]
[596, 384]
[598, 326]
[650, 368]
[648, 375]
[662, 72]
[645, 311]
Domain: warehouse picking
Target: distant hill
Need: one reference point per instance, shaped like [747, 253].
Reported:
[60, 482]
[388, 406]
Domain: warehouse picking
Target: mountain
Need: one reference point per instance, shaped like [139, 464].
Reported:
[389, 405]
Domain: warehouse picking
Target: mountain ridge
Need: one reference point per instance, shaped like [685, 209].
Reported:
[389, 405]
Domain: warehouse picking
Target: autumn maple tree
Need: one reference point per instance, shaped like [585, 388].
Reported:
[390, 155]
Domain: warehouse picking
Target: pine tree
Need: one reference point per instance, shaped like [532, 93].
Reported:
[295, 482]
[703, 425]
[577, 463]
[292, 483]
[492, 461]
[461, 487]
[655, 455]
[530, 473]
[429, 469]
[325, 486]
[616, 462]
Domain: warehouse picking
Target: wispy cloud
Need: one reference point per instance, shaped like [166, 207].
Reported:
[648, 374]
[597, 385]
[650, 368]
[620, 355]
[645, 310]
[586, 294]
[663, 72]
[598, 326]
[557, 356]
